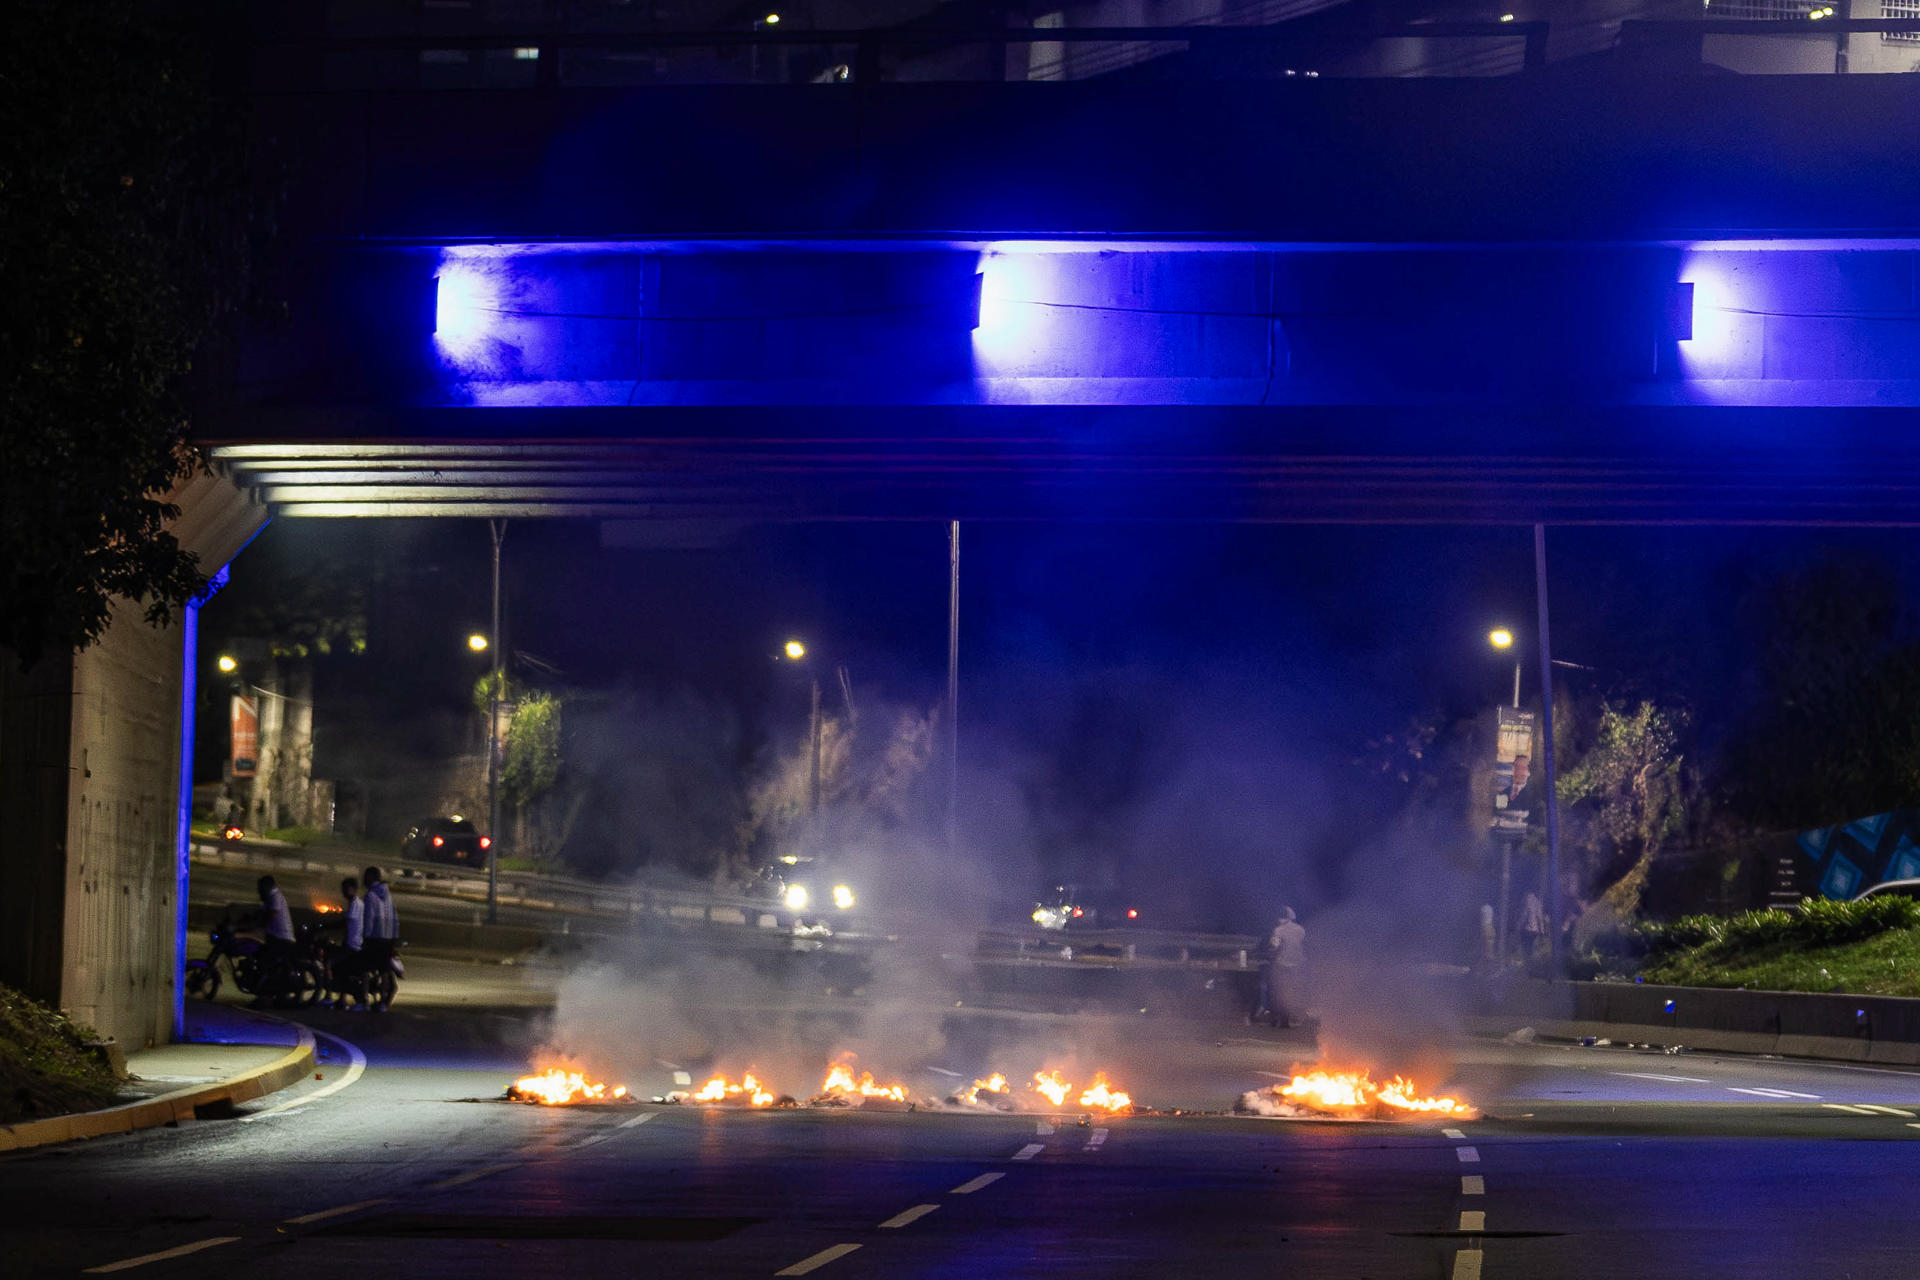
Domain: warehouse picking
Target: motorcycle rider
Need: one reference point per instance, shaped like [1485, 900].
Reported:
[382, 927]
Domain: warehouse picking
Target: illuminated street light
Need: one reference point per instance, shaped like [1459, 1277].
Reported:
[477, 642]
[773, 19]
[796, 650]
[1500, 638]
[228, 664]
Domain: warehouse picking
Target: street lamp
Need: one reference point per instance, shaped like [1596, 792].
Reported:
[477, 642]
[1501, 638]
[228, 664]
[795, 650]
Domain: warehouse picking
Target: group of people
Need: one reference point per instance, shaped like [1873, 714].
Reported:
[372, 933]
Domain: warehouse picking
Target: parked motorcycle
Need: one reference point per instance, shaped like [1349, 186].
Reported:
[298, 979]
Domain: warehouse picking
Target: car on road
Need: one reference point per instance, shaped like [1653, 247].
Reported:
[1891, 889]
[810, 890]
[1069, 906]
[452, 839]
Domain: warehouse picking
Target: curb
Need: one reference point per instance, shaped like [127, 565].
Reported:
[168, 1108]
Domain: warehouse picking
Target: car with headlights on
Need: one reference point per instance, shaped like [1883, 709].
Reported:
[810, 892]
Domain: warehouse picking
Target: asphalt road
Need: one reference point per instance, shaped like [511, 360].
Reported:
[1587, 1162]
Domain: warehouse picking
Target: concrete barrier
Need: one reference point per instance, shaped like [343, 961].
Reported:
[1800, 1024]
[168, 1108]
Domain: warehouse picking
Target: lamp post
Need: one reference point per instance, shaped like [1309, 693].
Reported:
[795, 650]
[492, 645]
[1501, 638]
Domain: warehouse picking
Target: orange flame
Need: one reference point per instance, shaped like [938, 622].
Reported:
[840, 1081]
[995, 1083]
[327, 908]
[1351, 1092]
[556, 1087]
[1050, 1085]
[1100, 1095]
[749, 1091]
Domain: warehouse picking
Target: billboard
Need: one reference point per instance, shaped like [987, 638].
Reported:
[243, 726]
[1516, 788]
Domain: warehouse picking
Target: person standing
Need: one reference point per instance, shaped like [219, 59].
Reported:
[276, 952]
[349, 969]
[1286, 971]
[382, 933]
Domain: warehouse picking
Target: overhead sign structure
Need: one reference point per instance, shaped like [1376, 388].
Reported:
[1516, 788]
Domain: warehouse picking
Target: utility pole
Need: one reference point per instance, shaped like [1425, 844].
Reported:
[1555, 950]
[953, 687]
[499, 531]
[813, 736]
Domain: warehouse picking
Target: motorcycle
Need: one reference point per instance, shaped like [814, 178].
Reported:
[232, 834]
[295, 980]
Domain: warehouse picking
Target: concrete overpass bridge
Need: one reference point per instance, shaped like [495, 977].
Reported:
[1615, 291]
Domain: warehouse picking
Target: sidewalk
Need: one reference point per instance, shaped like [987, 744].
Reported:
[231, 1056]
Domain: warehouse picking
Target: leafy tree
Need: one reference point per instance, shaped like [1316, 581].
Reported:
[125, 235]
[1626, 798]
[1832, 725]
[531, 764]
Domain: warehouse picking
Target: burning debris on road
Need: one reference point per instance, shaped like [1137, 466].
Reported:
[750, 1092]
[840, 1089]
[558, 1087]
[1319, 1094]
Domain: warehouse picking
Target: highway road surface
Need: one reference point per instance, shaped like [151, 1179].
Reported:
[1585, 1162]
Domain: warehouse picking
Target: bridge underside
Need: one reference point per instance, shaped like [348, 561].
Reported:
[1320, 464]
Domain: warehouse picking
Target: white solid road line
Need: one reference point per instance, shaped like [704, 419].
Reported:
[1886, 1111]
[462, 1179]
[1466, 1265]
[972, 1185]
[1452, 1133]
[1473, 1220]
[324, 1214]
[1774, 1093]
[1841, 1106]
[642, 1118]
[1648, 1075]
[1043, 1128]
[355, 1069]
[1029, 1151]
[127, 1264]
[1473, 1184]
[907, 1216]
[1467, 1155]
[818, 1260]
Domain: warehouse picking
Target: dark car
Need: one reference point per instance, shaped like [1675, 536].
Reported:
[1069, 906]
[446, 840]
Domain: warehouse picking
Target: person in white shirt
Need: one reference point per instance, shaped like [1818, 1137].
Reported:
[276, 953]
[1286, 971]
[382, 926]
[349, 969]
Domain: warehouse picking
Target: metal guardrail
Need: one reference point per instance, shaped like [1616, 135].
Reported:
[1119, 947]
[521, 889]
[1093, 948]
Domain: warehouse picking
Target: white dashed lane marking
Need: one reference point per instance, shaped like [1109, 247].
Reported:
[1029, 1151]
[974, 1184]
[818, 1260]
[1473, 1220]
[462, 1179]
[1466, 1265]
[1473, 1185]
[127, 1264]
[1043, 1129]
[1774, 1093]
[1452, 1133]
[1887, 1111]
[1098, 1139]
[642, 1118]
[907, 1216]
[324, 1214]
[1468, 1155]
[1841, 1106]
[1648, 1075]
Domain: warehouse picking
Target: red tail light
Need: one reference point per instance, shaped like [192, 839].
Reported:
[1132, 913]
[486, 842]
[1077, 913]
[437, 842]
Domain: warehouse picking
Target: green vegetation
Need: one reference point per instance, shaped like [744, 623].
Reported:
[46, 1068]
[1863, 948]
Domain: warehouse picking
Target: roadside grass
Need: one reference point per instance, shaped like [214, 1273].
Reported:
[1887, 964]
[46, 1068]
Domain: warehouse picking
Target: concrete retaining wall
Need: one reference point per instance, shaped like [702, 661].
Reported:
[1883, 1029]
